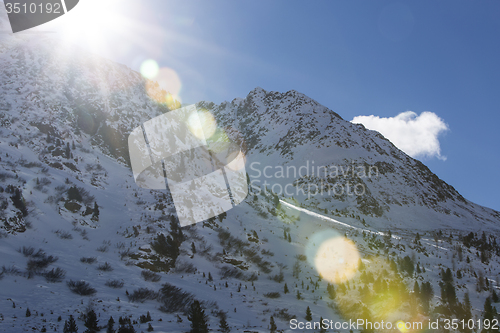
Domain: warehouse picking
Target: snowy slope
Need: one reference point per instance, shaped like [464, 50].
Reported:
[64, 119]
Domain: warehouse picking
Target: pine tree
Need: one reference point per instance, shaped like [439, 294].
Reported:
[416, 289]
[289, 238]
[285, 289]
[273, 327]
[91, 322]
[176, 231]
[331, 291]
[447, 276]
[74, 194]
[308, 314]
[198, 318]
[125, 325]
[150, 327]
[488, 309]
[210, 278]
[223, 326]
[417, 238]
[276, 200]
[165, 246]
[426, 294]
[95, 214]
[407, 265]
[28, 312]
[222, 216]
[193, 248]
[110, 326]
[450, 294]
[70, 325]
[296, 270]
[494, 297]
[488, 314]
[467, 307]
[68, 151]
[18, 201]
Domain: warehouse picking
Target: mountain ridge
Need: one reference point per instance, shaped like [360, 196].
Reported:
[298, 121]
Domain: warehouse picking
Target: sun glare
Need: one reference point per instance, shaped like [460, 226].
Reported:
[237, 161]
[101, 27]
[334, 256]
[202, 124]
[149, 69]
[337, 259]
[164, 84]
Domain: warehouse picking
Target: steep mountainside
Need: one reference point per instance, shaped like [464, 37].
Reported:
[287, 131]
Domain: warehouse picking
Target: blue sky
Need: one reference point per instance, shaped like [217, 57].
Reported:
[355, 57]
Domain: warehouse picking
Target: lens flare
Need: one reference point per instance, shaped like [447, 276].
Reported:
[237, 162]
[202, 124]
[173, 102]
[378, 293]
[401, 326]
[169, 80]
[149, 69]
[337, 259]
[162, 96]
[165, 87]
[219, 142]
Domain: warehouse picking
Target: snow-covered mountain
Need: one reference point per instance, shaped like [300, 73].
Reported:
[66, 188]
[289, 131]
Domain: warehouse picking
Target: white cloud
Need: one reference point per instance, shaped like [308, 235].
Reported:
[416, 135]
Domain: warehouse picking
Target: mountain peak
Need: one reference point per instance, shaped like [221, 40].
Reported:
[258, 91]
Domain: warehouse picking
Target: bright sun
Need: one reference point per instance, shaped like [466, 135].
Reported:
[97, 26]
[125, 31]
